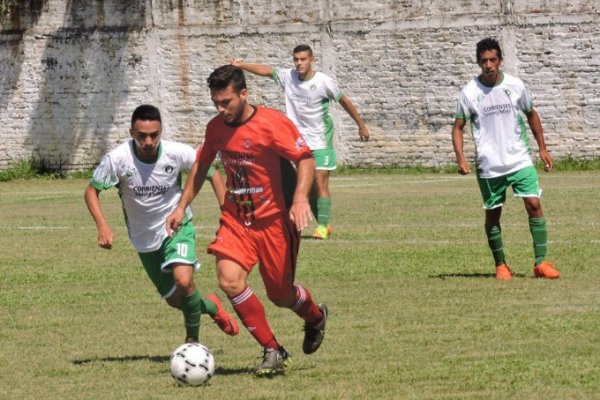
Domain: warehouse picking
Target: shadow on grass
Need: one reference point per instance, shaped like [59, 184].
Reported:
[309, 237]
[474, 275]
[157, 359]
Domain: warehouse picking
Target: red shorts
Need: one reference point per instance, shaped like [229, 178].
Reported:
[273, 244]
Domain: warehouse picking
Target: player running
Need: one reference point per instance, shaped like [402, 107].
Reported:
[147, 172]
[492, 103]
[308, 94]
[265, 209]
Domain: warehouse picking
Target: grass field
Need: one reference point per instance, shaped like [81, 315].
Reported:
[415, 310]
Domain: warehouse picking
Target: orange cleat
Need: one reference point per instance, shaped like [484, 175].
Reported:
[321, 233]
[503, 272]
[224, 321]
[546, 270]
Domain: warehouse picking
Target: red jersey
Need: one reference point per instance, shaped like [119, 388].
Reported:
[253, 155]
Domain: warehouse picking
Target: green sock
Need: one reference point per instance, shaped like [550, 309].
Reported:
[208, 307]
[539, 233]
[494, 236]
[312, 201]
[191, 306]
[323, 207]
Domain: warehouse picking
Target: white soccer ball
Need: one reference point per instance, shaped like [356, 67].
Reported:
[192, 364]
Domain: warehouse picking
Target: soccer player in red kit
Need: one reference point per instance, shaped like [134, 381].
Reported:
[265, 209]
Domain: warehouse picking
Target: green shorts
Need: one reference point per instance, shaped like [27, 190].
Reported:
[211, 172]
[180, 249]
[524, 183]
[325, 159]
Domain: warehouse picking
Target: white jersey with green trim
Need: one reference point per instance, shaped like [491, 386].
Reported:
[149, 191]
[307, 105]
[497, 124]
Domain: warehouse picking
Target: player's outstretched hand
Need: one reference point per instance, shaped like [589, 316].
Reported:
[235, 63]
[174, 221]
[300, 214]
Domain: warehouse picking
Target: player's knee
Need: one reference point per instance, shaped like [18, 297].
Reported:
[185, 284]
[534, 208]
[285, 301]
[231, 287]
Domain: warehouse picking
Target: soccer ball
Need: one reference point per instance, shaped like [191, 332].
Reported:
[192, 364]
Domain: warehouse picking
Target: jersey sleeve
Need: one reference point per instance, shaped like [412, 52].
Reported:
[279, 77]
[188, 157]
[332, 89]
[525, 102]
[462, 110]
[105, 175]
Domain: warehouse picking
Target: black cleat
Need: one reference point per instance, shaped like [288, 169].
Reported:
[314, 334]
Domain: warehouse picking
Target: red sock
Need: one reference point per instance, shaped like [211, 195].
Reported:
[305, 307]
[253, 316]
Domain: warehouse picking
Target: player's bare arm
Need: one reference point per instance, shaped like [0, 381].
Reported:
[300, 212]
[257, 69]
[193, 184]
[457, 142]
[219, 188]
[105, 233]
[363, 131]
[535, 124]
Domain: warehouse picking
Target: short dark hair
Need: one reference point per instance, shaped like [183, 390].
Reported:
[302, 47]
[486, 45]
[146, 112]
[227, 75]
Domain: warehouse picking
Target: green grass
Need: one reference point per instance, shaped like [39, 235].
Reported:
[415, 310]
[38, 168]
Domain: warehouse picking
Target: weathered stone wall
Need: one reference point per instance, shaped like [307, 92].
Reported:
[72, 71]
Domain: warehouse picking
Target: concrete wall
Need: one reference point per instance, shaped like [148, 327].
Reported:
[72, 71]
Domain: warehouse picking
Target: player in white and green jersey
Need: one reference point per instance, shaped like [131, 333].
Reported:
[308, 95]
[493, 104]
[147, 172]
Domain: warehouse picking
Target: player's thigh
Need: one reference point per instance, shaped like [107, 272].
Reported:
[232, 276]
[493, 191]
[278, 250]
